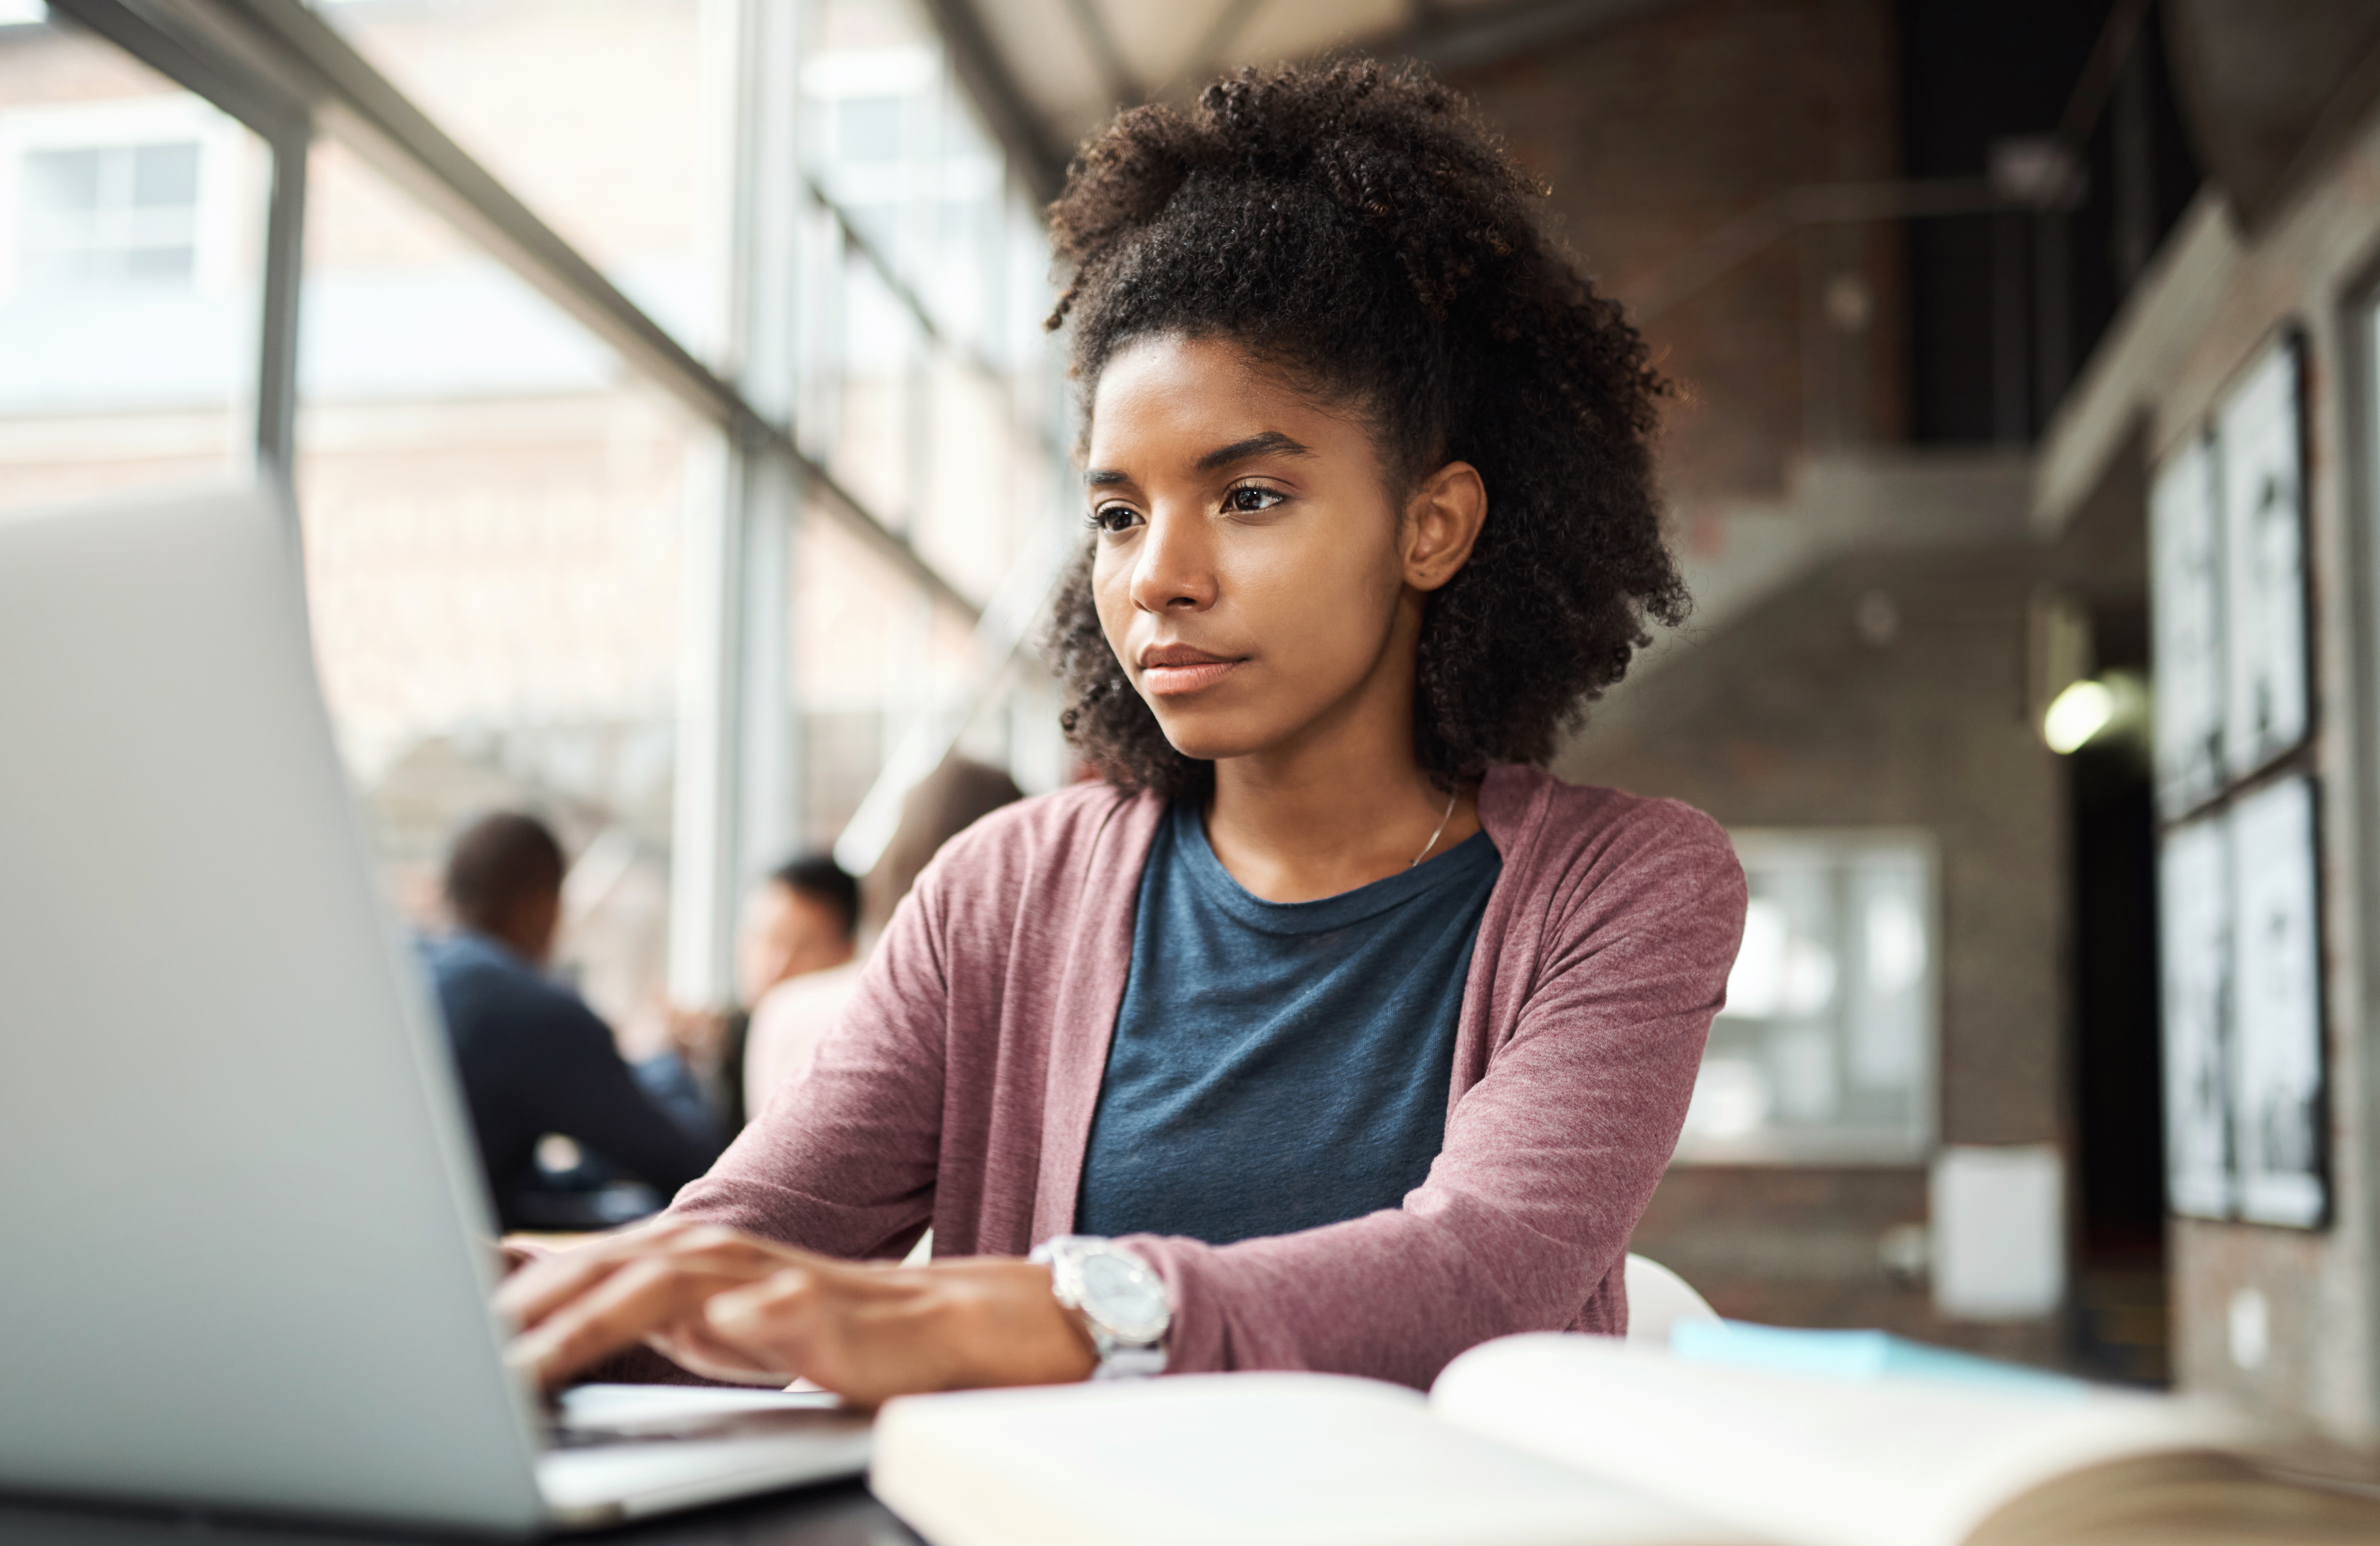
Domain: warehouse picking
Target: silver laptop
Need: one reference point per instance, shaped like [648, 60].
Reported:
[244, 1255]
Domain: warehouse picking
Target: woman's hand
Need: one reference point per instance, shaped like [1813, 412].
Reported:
[733, 1306]
[516, 1251]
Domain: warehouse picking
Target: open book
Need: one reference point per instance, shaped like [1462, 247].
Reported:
[1576, 1440]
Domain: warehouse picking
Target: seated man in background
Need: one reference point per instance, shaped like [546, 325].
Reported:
[795, 1014]
[533, 1059]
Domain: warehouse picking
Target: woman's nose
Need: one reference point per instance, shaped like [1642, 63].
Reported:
[1175, 570]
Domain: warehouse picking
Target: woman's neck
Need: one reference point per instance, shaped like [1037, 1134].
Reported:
[1294, 824]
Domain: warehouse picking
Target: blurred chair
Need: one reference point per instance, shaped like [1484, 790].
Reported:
[1658, 1299]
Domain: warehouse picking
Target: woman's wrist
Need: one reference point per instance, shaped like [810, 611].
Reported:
[1004, 1325]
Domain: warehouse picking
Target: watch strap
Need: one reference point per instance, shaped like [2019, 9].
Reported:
[1120, 1361]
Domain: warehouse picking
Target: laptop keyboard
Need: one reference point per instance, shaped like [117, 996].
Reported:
[783, 1417]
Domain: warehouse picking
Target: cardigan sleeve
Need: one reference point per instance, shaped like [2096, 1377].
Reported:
[1551, 1158]
[842, 1161]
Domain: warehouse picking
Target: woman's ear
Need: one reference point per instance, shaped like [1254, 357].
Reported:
[1443, 522]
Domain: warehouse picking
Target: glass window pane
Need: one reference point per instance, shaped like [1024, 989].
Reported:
[868, 130]
[892, 142]
[132, 219]
[855, 619]
[870, 402]
[958, 261]
[1023, 345]
[974, 516]
[1825, 1052]
[165, 175]
[931, 392]
[60, 184]
[492, 511]
[597, 113]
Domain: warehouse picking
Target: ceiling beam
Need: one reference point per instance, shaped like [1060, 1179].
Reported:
[1100, 39]
[1474, 39]
[984, 75]
[1215, 47]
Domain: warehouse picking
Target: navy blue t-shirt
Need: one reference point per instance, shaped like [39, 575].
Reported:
[1279, 1066]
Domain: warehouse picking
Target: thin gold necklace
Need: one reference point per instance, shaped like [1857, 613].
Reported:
[1439, 833]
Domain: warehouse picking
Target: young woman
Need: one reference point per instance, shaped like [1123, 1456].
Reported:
[1325, 1032]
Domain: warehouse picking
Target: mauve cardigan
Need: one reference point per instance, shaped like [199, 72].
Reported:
[958, 1088]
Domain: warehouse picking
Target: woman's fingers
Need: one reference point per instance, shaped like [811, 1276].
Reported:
[512, 1253]
[626, 1292]
[639, 1299]
[539, 1287]
[691, 1345]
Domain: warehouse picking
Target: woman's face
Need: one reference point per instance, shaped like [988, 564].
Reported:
[1253, 573]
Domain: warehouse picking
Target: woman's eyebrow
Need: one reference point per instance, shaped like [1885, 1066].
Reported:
[1272, 443]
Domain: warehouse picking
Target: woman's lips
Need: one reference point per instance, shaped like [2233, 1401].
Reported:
[1188, 677]
[1170, 670]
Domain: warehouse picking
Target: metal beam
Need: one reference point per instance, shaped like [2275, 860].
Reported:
[1214, 46]
[1474, 38]
[1749, 234]
[731, 631]
[167, 43]
[984, 75]
[1091, 24]
[284, 41]
[276, 366]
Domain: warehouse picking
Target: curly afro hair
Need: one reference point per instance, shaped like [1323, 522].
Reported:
[1357, 229]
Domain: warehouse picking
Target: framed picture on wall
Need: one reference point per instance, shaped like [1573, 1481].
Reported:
[2276, 1056]
[2239, 931]
[2194, 947]
[2187, 557]
[2240, 966]
[2260, 450]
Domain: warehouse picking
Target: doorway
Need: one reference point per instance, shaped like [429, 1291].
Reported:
[2119, 1330]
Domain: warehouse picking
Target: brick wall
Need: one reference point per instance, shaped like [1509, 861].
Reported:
[1794, 716]
[1654, 135]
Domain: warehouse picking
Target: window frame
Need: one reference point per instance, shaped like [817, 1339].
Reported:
[282, 70]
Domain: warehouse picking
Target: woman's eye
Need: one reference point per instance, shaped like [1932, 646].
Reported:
[1114, 518]
[1249, 498]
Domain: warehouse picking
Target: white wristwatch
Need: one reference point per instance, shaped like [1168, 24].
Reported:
[1120, 1297]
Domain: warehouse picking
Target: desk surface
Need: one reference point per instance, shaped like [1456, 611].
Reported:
[839, 1515]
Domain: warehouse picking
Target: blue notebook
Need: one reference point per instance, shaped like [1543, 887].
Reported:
[1855, 1355]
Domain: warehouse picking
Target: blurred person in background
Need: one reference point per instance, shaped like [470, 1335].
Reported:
[804, 917]
[802, 922]
[797, 1011]
[535, 1062]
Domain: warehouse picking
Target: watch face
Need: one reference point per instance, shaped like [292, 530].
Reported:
[1125, 1296]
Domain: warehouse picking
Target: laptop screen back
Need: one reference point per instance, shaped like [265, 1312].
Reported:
[237, 1206]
